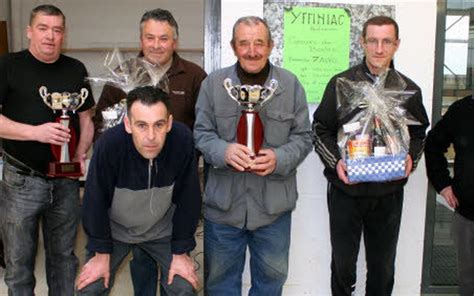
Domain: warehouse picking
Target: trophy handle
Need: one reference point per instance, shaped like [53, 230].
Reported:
[268, 91]
[232, 90]
[43, 91]
[84, 94]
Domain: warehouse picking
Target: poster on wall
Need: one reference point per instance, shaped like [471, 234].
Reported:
[305, 32]
[317, 43]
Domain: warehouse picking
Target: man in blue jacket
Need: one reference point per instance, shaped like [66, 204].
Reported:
[142, 191]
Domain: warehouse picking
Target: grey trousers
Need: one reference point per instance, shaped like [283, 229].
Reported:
[462, 232]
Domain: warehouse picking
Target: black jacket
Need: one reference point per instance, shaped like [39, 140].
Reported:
[455, 127]
[326, 125]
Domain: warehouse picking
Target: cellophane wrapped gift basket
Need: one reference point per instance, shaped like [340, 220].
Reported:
[127, 73]
[374, 138]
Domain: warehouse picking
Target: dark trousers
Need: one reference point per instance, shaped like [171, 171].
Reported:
[144, 273]
[378, 218]
[159, 250]
[462, 232]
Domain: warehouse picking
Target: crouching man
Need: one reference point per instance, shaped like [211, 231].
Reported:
[142, 191]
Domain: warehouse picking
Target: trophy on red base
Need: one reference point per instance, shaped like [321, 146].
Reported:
[250, 127]
[63, 167]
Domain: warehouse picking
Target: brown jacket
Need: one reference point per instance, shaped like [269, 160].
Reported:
[184, 83]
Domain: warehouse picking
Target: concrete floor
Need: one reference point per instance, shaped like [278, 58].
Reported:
[122, 286]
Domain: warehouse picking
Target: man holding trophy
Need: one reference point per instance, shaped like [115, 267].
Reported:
[252, 127]
[47, 130]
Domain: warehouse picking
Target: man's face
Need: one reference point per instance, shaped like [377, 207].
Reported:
[46, 35]
[148, 126]
[157, 41]
[252, 47]
[380, 45]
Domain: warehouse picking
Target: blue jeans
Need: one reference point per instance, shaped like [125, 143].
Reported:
[144, 273]
[24, 202]
[159, 250]
[224, 257]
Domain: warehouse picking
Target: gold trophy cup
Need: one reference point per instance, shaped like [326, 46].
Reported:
[250, 127]
[64, 102]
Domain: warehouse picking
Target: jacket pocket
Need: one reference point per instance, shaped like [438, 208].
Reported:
[277, 127]
[218, 192]
[226, 121]
[280, 194]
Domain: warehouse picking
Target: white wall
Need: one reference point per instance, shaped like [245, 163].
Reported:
[107, 23]
[93, 27]
[310, 249]
[3, 10]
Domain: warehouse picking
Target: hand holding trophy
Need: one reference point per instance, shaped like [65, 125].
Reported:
[250, 127]
[65, 102]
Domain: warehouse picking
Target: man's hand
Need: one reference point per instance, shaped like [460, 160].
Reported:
[408, 165]
[265, 162]
[97, 267]
[52, 133]
[341, 170]
[183, 266]
[238, 156]
[81, 158]
[449, 196]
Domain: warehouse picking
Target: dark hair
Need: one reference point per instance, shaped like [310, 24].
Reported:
[148, 96]
[251, 21]
[47, 9]
[161, 15]
[380, 21]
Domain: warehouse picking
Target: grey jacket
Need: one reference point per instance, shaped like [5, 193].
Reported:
[244, 199]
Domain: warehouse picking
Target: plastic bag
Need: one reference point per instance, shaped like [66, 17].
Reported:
[374, 138]
[127, 74]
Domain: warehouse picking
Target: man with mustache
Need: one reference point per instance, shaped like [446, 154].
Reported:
[249, 198]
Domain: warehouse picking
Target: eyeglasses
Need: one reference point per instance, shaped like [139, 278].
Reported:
[386, 43]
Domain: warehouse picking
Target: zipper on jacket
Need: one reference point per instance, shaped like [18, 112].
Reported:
[150, 169]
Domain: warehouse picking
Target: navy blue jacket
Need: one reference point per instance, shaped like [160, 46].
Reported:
[132, 199]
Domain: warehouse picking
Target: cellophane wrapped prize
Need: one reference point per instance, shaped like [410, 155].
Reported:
[374, 138]
[127, 74]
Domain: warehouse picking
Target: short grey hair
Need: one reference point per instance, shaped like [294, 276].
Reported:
[250, 21]
[160, 15]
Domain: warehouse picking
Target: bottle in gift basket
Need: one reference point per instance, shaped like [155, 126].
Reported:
[378, 143]
[358, 145]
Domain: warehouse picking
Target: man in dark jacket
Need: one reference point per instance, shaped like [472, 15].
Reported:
[372, 208]
[158, 42]
[142, 192]
[458, 191]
